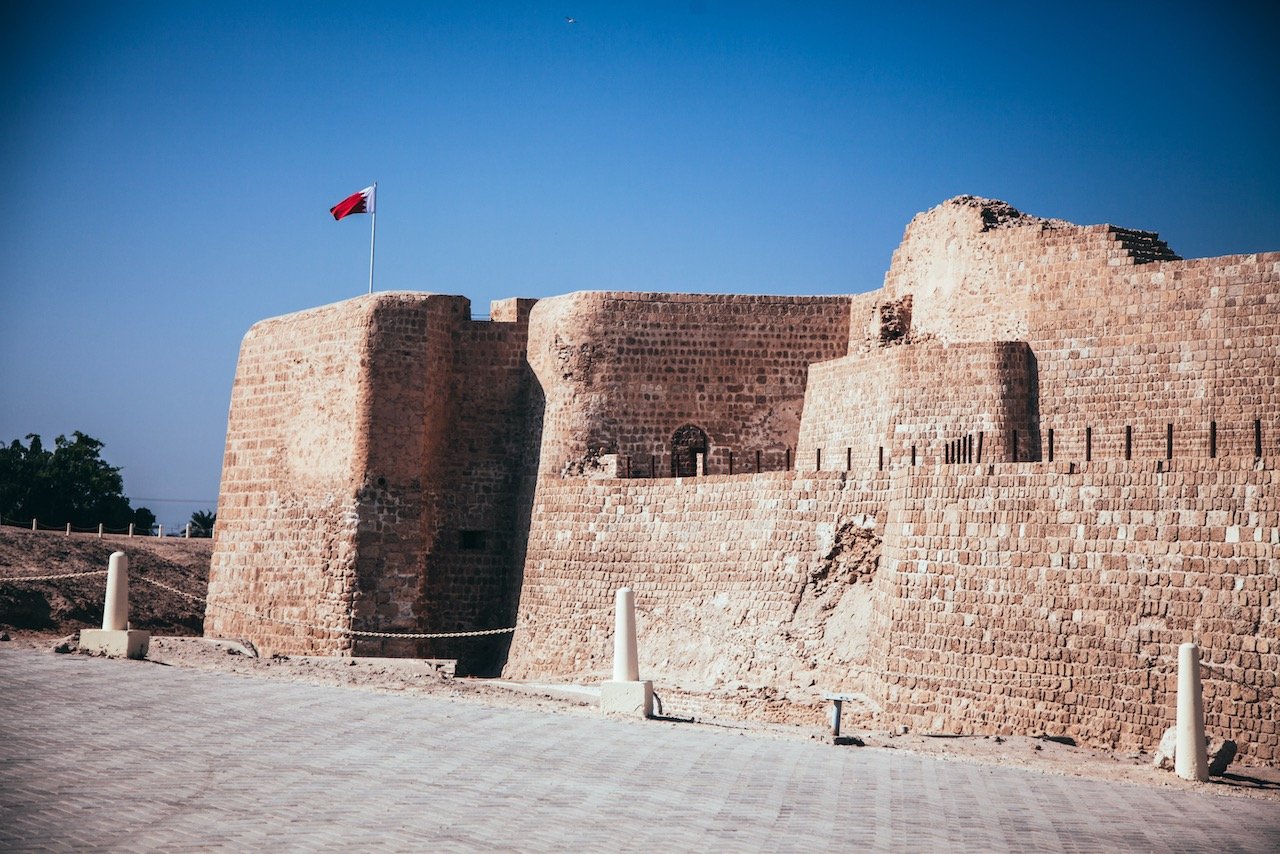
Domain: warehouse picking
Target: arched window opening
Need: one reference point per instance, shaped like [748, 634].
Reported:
[686, 444]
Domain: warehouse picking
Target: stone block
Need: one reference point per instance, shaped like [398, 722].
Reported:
[632, 699]
[121, 643]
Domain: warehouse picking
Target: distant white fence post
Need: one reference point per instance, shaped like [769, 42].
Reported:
[33, 524]
[161, 530]
[131, 529]
[68, 529]
[186, 534]
[99, 530]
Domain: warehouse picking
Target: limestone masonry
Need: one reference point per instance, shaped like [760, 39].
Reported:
[992, 496]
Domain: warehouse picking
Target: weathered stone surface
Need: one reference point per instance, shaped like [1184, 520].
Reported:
[1167, 751]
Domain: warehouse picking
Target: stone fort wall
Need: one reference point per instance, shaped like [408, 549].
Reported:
[1031, 566]
[623, 371]
[1004, 598]
[369, 482]
[1035, 597]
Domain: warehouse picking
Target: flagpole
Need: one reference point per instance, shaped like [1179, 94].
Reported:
[373, 232]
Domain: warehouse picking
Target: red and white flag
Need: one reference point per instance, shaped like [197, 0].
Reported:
[361, 202]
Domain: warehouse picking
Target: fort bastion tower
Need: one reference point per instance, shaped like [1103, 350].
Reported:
[992, 496]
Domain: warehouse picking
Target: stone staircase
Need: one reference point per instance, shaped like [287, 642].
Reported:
[1143, 246]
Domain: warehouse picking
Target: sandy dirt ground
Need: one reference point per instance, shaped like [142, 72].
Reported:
[409, 676]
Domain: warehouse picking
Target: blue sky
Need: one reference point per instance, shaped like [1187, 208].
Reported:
[169, 166]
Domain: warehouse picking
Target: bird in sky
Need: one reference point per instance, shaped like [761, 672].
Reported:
[569, 20]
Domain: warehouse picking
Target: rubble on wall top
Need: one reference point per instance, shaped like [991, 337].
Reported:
[998, 214]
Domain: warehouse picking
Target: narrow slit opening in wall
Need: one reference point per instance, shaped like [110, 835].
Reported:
[472, 540]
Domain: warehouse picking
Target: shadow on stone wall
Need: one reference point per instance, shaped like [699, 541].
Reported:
[535, 406]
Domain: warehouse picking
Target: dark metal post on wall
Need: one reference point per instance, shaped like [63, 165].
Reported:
[1088, 444]
[788, 459]
[881, 468]
[1050, 444]
[913, 455]
[817, 459]
[731, 462]
[1257, 438]
[757, 462]
[1213, 439]
[1168, 441]
[980, 435]
[848, 458]
[1128, 441]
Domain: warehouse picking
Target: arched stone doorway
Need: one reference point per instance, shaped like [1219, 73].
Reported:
[686, 444]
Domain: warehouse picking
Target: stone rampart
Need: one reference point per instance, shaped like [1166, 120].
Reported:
[1123, 333]
[285, 543]
[885, 407]
[1035, 597]
[1079, 433]
[763, 579]
[372, 478]
[622, 372]
[1017, 597]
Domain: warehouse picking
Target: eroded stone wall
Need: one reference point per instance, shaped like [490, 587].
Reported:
[1186, 343]
[623, 371]
[285, 543]
[1123, 333]
[872, 409]
[762, 579]
[1041, 598]
[1005, 598]
[372, 478]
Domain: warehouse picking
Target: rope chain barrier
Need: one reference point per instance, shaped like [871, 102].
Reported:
[264, 617]
[330, 629]
[16, 579]
[1010, 679]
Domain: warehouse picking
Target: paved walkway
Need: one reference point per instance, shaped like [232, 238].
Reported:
[113, 755]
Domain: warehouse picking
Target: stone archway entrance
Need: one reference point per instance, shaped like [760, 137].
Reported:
[686, 444]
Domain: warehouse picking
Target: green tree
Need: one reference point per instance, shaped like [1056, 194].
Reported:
[144, 521]
[18, 467]
[202, 522]
[71, 483]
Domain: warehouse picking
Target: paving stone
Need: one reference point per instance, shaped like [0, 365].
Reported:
[114, 755]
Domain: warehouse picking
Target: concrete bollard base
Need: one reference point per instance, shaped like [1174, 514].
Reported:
[633, 699]
[116, 643]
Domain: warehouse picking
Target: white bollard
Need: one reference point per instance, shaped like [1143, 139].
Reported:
[115, 611]
[186, 534]
[160, 529]
[626, 658]
[115, 638]
[1190, 761]
[99, 530]
[131, 529]
[68, 529]
[33, 524]
[625, 694]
